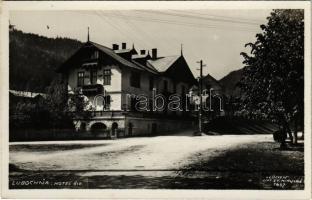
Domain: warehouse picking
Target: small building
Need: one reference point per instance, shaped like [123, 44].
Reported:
[25, 96]
[22, 97]
[214, 100]
[115, 80]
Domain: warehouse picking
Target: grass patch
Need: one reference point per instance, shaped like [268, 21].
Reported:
[261, 157]
[250, 166]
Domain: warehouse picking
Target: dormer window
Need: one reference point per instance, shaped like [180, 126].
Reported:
[165, 85]
[135, 79]
[151, 83]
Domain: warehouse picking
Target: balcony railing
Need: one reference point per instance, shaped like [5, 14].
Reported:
[107, 113]
[87, 61]
[92, 89]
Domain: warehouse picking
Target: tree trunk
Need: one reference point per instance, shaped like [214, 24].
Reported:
[301, 120]
[296, 130]
[288, 131]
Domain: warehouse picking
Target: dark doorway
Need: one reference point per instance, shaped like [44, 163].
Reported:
[83, 126]
[130, 127]
[114, 129]
[98, 128]
[154, 128]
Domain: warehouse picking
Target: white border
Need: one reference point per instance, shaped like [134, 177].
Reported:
[150, 194]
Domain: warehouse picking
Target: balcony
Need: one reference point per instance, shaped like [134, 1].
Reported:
[92, 89]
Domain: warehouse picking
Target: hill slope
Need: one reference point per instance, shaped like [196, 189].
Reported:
[229, 83]
[33, 59]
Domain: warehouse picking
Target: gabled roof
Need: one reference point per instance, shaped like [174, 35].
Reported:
[209, 78]
[114, 55]
[163, 63]
[150, 69]
[168, 64]
[101, 48]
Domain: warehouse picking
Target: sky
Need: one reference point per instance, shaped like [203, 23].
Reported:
[215, 36]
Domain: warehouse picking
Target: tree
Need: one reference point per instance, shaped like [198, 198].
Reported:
[273, 79]
[65, 108]
[56, 102]
[80, 106]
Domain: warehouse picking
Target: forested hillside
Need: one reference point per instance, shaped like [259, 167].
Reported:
[33, 59]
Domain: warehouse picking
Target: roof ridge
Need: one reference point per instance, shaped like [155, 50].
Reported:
[101, 45]
[160, 57]
[145, 67]
[133, 62]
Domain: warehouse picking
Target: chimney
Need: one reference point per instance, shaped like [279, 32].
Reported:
[154, 53]
[123, 45]
[142, 52]
[115, 46]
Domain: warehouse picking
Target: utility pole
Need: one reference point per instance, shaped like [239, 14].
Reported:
[88, 35]
[200, 131]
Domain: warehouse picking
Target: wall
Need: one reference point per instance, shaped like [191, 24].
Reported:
[127, 89]
[159, 80]
[143, 126]
[140, 126]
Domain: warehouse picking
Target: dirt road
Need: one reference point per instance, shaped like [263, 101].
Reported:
[145, 153]
[179, 161]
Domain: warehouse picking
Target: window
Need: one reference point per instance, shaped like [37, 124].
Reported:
[95, 55]
[165, 85]
[107, 77]
[106, 103]
[80, 79]
[93, 76]
[151, 83]
[135, 79]
[133, 102]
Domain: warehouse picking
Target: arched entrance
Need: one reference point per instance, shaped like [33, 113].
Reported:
[98, 128]
[83, 126]
[130, 127]
[114, 130]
